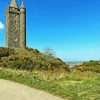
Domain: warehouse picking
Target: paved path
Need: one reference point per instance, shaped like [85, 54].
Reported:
[14, 91]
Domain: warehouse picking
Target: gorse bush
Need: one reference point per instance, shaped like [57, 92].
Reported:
[93, 66]
[4, 52]
[30, 59]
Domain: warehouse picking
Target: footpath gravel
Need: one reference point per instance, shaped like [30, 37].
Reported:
[15, 91]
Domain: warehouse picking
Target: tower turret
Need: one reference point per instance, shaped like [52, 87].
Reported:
[22, 25]
[22, 5]
[14, 4]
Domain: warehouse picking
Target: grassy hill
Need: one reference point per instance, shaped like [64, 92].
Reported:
[45, 72]
[30, 59]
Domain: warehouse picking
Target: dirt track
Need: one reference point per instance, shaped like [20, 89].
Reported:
[14, 91]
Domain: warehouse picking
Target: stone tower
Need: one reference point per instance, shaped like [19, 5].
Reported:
[15, 25]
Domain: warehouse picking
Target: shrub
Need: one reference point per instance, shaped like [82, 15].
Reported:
[30, 59]
[93, 66]
[6, 52]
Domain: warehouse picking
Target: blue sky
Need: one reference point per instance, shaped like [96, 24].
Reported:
[70, 27]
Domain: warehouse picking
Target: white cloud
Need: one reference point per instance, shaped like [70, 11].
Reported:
[1, 25]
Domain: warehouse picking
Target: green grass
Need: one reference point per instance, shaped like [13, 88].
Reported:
[31, 80]
[71, 86]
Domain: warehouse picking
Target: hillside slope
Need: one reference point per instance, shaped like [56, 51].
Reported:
[30, 59]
